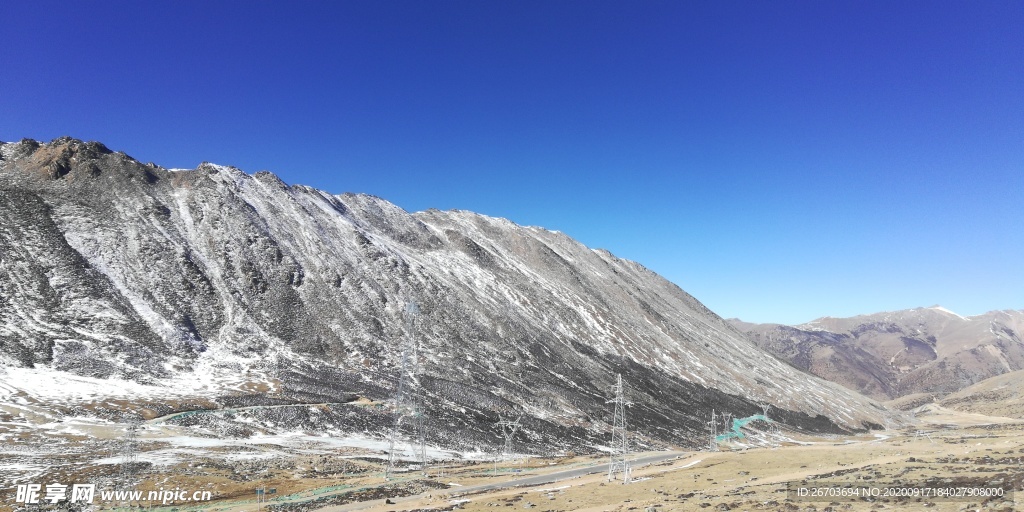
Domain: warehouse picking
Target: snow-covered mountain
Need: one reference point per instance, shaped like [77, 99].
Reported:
[212, 282]
[899, 353]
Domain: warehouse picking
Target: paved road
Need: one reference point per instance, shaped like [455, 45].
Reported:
[560, 475]
[508, 484]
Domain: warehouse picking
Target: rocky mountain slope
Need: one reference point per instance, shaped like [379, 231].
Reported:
[1002, 395]
[239, 287]
[888, 355]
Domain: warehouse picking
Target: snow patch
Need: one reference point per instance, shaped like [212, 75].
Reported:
[948, 312]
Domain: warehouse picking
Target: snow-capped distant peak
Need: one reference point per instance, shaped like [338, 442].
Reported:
[948, 312]
[218, 167]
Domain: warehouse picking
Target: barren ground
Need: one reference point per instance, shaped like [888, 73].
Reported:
[948, 449]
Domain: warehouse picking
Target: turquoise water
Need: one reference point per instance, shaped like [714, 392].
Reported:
[739, 423]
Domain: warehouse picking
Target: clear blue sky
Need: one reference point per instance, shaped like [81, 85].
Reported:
[780, 161]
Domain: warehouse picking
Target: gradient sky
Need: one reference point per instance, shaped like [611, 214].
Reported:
[780, 161]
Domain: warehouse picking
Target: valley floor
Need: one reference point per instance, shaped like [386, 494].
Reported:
[946, 450]
[758, 479]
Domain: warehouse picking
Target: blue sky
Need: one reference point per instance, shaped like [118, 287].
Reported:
[780, 161]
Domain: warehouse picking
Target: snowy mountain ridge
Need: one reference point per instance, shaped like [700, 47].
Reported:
[111, 268]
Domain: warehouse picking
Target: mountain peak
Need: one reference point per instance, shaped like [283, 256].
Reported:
[76, 146]
[946, 311]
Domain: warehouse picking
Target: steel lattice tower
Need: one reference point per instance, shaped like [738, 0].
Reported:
[509, 429]
[713, 424]
[129, 452]
[620, 445]
[405, 403]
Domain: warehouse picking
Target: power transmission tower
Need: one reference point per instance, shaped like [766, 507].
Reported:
[406, 404]
[421, 430]
[130, 452]
[713, 425]
[771, 429]
[509, 429]
[620, 446]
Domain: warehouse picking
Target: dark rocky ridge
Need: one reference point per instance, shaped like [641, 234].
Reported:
[111, 267]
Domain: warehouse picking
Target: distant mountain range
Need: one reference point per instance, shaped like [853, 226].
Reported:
[889, 355]
[219, 283]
